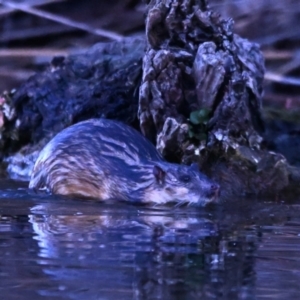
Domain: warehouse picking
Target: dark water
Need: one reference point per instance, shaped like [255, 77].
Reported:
[51, 248]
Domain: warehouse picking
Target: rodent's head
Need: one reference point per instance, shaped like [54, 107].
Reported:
[182, 184]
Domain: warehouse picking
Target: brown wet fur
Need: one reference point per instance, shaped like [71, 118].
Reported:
[104, 159]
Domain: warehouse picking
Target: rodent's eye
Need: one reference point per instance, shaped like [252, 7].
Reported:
[185, 178]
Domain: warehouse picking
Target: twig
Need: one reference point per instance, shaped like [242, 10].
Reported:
[29, 33]
[32, 52]
[277, 54]
[7, 10]
[62, 20]
[288, 80]
[15, 74]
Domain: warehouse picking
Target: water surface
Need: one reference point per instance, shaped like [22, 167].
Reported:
[53, 248]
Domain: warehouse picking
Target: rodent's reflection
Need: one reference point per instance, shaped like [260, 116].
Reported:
[57, 229]
[142, 252]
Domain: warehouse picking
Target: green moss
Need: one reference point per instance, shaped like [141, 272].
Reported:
[197, 124]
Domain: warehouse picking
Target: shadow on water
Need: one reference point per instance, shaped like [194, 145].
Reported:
[66, 249]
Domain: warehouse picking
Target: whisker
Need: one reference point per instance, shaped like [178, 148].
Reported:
[180, 203]
[189, 203]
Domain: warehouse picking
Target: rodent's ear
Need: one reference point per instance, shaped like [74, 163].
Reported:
[194, 167]
[159, 174]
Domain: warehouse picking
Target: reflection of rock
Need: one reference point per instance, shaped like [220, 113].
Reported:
[139, 253]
